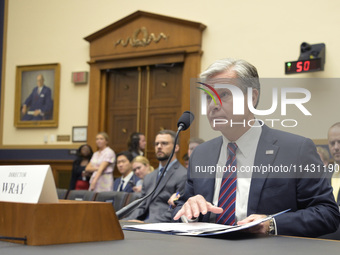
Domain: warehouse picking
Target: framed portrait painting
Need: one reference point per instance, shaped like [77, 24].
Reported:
[37, 96]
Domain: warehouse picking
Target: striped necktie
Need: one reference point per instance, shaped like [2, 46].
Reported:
[227, 197]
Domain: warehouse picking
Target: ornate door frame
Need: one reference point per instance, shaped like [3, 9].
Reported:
[140, 39]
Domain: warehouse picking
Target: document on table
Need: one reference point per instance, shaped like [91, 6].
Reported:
[195, 228]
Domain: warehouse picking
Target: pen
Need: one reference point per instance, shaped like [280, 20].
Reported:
[184, 219]
[175, 199]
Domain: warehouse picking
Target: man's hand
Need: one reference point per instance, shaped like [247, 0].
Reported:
[174, 197]
[262, 228]
[196, 205]
[137, 188]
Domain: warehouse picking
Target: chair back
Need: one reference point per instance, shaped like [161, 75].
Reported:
[117, 198]
[81, 195]
[62, 193]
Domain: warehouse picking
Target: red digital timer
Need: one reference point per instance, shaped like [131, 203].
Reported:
[303, 66]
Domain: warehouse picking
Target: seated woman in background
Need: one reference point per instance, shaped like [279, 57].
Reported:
[101, 165]
[136, 144]
[79, 178]
[141, 167]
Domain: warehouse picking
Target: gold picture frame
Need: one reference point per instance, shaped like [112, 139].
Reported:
[37, 96]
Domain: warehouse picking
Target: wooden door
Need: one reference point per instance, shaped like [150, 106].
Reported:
[122, 103]
[143, 99]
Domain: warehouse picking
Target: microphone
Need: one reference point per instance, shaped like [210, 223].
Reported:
[183, 123]
[185, 120]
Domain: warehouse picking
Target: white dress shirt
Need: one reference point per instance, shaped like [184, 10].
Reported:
[126, 179]
[245, 156]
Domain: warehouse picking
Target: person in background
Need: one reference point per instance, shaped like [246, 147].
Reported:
[193, 143]
[128, 180]
[136, 144]
[155, 208]
[185, 159]
[334, 148]
[101, 165]
[79, 178]
[141, 167]
[324, 155]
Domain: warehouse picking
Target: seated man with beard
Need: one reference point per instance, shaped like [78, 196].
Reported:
[155, 208]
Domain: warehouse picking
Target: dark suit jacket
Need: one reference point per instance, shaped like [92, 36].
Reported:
[128, 188]
[156, 207]
[313, 209]
[332, 168]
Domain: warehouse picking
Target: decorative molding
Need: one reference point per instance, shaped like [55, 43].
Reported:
[134, 41]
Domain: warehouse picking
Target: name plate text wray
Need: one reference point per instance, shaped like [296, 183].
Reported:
[27, 184]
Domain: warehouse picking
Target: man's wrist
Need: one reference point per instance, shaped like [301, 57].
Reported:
[271, 227]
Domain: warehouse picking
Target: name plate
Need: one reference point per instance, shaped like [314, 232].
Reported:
[27, 184]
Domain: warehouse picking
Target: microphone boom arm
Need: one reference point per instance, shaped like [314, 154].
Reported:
[183, 123]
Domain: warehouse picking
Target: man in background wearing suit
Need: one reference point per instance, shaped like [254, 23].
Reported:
[128, 179]
[243, 197]
[334, 148]
[38, 105]
[156, 208]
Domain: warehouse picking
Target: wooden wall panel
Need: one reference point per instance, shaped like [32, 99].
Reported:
[166, 86]
[122, 124]
[61, 169]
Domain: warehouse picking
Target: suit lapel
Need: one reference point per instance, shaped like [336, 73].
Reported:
[165, 179]
[128, 186]
[150, 186]
[116, 184]
[265, 155]
[207, 185]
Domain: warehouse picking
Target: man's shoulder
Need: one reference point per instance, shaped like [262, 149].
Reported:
[151, 175]
[179, 169]
[178, 165]
[210, 144]
[282, 136]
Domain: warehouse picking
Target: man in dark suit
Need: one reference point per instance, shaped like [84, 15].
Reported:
[242, 196]
[334, 148]
[156, 208]
[39, 104]
[128, 179]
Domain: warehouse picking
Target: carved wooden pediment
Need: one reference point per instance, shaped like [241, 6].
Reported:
[143, 33]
